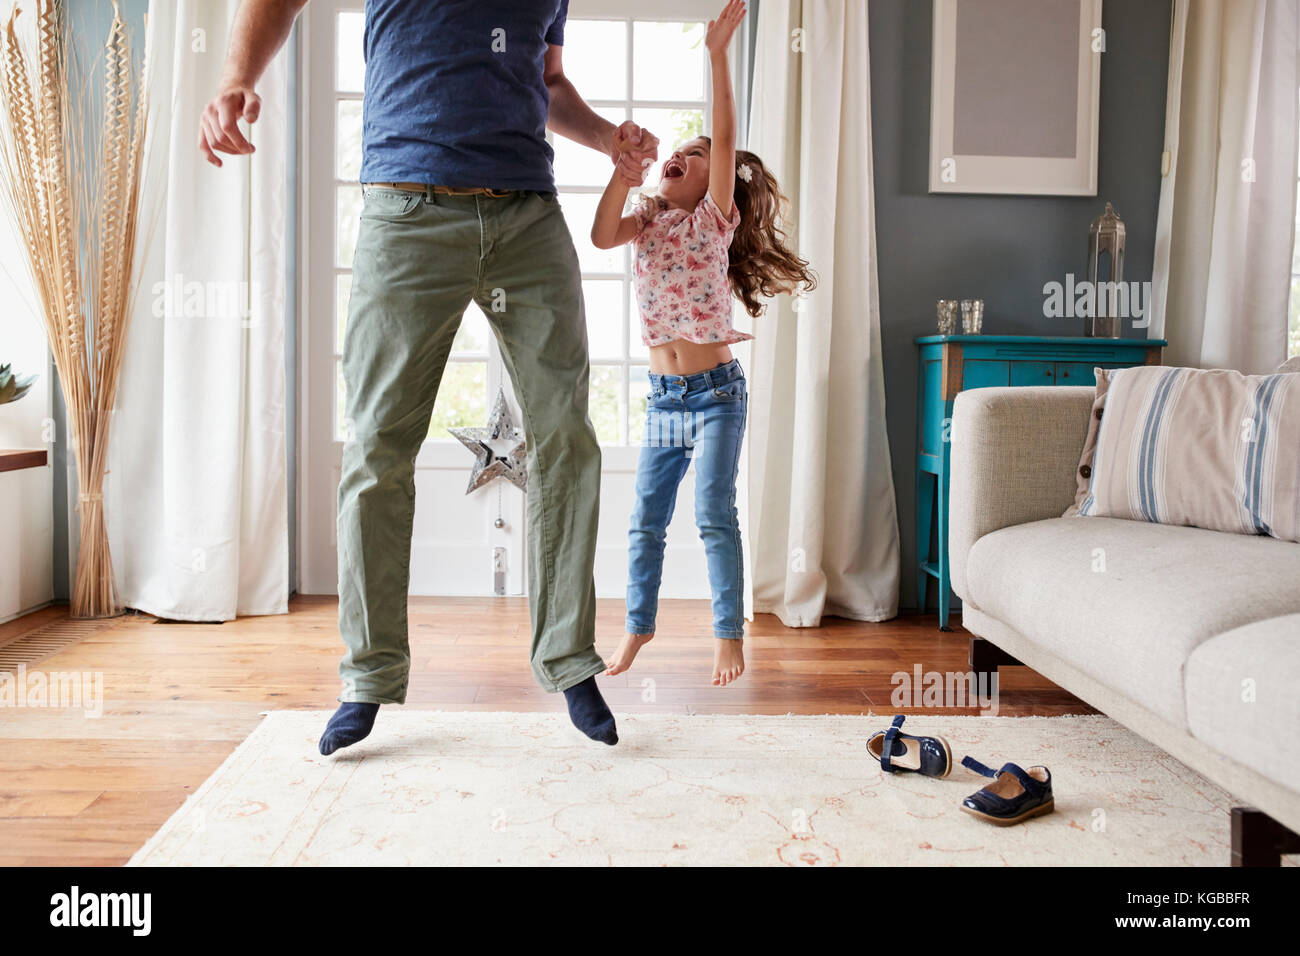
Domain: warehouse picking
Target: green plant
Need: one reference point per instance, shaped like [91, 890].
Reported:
[12, 387]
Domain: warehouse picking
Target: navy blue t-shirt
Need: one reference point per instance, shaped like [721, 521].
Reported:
[454, 92]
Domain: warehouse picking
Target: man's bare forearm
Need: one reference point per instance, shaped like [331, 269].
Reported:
[572, 118]
[260, 29]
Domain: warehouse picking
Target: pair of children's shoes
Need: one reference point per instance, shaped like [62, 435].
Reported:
[1014, 795]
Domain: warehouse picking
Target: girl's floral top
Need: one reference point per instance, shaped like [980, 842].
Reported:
[680, 273]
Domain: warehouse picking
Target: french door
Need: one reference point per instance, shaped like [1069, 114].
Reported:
[628, 63]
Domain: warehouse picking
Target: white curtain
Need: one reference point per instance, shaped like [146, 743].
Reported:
[823, 526]
[197, 505]
[1222, 273]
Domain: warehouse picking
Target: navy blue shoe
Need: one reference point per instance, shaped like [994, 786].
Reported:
[1013, 796]
[903, 753]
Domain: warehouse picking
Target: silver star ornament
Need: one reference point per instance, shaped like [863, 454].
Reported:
[499, 448]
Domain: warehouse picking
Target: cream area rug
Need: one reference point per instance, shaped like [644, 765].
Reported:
[525, 789]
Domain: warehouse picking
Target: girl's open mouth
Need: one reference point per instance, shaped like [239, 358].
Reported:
[674, 169]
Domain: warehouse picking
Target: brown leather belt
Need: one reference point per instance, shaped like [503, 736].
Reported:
[448, 190]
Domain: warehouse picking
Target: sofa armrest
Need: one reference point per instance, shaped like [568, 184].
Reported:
[1015, 452]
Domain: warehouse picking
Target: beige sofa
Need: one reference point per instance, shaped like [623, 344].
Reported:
[1163, 628]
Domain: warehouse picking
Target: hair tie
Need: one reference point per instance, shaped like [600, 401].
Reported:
[745, 173]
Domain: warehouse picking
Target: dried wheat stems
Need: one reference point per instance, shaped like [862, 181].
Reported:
[75, 215]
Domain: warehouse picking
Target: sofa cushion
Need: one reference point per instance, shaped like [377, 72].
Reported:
[1243, 697]
[1209, 448]
[1126, 602]
[1083, 474]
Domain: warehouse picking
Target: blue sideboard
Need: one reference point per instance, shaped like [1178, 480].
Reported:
[952, 363]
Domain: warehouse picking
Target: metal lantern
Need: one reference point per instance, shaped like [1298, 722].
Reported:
[1105, 249]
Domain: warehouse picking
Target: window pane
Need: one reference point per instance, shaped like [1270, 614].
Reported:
[579, 166]
[1295, 248]
[637, 389]
[347, 142]
[606, 382]
[1295, 317]
[472, 336]
[580, 213]
[347, 212]
[636, 348]
[342, 294]
[673, 127]
[668, 61]
[462, 399]
[351, 59]
[340, 403]
[595, 58]
[604, 301]
[741, 320]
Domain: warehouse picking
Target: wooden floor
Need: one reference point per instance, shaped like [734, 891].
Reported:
[178, 698]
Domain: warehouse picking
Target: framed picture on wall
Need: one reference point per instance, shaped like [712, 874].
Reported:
[1015, 95]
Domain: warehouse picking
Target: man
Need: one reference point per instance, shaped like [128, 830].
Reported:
[459, 205]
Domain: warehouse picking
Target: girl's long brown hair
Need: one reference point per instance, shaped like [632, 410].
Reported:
[760, 264]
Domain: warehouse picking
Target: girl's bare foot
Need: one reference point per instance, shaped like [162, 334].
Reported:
[728, 660]
[626, 653]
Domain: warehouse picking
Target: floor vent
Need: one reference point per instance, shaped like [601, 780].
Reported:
[35, 646]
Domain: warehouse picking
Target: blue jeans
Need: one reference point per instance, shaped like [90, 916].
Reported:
[700, 417]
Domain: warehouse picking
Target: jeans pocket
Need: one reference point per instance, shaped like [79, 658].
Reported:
[730, 392]
[390, 205]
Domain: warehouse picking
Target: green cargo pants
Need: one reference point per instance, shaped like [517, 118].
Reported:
[420, 259]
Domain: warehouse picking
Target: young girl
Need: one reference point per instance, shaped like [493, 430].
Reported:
[711, 231]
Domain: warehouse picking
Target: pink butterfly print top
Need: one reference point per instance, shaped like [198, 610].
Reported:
[679, 273]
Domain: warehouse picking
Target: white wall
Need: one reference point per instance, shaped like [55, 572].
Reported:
[26, 496]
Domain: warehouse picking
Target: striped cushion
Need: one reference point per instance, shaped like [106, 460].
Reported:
[1210, 449]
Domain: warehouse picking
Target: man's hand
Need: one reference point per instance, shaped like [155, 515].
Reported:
[259, 30]
[634, 150]
[219, 126]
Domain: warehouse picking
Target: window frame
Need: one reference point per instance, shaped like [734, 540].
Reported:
[1293, 299]
[628, 364]
[445, 451]
[319, 450]
[489, 357]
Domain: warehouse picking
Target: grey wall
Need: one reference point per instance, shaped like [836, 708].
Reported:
[998, 248]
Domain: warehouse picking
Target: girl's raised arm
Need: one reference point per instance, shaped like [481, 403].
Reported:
[722, 152]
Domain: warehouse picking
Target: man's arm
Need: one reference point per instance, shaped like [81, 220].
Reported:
[630, 147]
[260, 29]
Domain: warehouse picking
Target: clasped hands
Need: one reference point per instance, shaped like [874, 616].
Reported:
[633, 150]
